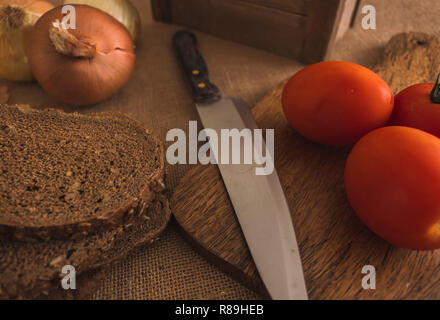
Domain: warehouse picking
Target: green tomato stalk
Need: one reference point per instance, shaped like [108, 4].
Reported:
[435, 93]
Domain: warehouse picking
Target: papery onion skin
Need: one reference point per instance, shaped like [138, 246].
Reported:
[83, 81]
[121, 10]
[14, 64]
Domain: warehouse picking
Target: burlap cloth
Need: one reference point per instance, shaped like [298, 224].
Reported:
[158, 96]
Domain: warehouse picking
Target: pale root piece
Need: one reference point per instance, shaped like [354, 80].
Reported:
[65, 176]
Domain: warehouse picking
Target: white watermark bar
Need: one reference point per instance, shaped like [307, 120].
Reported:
[229, 146]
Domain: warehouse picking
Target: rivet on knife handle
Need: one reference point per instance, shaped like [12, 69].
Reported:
[185, 44]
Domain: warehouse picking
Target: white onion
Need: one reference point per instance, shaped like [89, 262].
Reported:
[121, 10]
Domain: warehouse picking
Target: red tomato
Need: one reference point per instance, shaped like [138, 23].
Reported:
[414, 108]
[336, 102]
[392, 179]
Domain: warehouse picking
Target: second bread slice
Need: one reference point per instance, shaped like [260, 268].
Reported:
[32, 270]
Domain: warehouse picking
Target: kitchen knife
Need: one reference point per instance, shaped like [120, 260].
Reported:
[258, 200]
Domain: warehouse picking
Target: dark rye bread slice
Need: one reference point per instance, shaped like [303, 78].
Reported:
[32, 270]
[64, 176]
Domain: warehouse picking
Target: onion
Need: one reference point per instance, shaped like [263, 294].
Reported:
[16, 20]
[121, 10]
[85, 65]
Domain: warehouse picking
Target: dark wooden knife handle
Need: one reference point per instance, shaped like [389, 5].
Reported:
[185, 44]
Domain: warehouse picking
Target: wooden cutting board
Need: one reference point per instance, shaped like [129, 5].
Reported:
[335, 246]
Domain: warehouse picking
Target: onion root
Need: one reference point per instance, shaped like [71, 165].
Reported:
[69, 45]
[12, 17]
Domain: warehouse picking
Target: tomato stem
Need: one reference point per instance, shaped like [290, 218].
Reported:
[435, 93]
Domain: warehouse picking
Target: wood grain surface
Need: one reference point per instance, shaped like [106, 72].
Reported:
[334, 244]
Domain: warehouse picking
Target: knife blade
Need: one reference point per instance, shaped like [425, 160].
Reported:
[258, 200]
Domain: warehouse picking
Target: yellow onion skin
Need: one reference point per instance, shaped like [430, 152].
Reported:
[14, 64]
[121, 10]
[83, 81]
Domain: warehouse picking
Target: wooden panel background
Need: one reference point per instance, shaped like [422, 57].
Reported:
[241, 21]
[300, 29]
[292, 6]
[322, 25]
